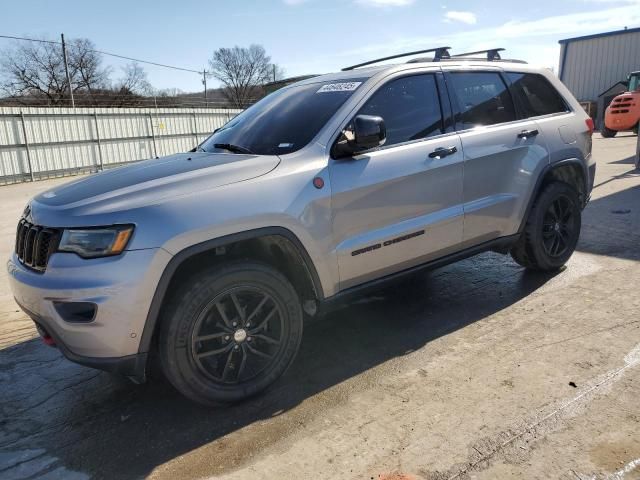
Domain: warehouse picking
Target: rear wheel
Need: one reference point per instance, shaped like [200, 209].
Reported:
[552, 230]
[230, 332]
[608, 133]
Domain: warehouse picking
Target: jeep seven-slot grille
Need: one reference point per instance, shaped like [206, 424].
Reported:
[35, 244]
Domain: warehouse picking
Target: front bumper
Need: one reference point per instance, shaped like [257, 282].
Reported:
[131, 366]
[120, 287]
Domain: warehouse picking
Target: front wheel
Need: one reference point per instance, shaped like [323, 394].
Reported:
[608, 133]
[230, 332]
[552, 230]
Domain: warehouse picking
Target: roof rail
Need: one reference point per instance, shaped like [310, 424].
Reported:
[439, 54]
[492, 54]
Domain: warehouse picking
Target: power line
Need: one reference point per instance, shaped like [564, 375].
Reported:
[30, 39]
[105, 53]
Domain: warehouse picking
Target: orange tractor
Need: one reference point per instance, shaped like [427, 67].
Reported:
[623, 113]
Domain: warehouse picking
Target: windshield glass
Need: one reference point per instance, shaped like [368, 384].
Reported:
[284, 121]
[634, 82]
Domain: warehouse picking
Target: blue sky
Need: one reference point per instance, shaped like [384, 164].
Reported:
[312, 36]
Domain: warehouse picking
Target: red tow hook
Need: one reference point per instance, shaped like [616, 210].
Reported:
[46, 338]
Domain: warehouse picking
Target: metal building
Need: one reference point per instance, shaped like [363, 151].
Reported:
[592, 64]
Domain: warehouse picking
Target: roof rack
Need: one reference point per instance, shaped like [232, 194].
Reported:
[440, 53]
[492, 54]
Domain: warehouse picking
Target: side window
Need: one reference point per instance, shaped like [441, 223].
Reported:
[409, 106]
[483, 99]
[536, 94]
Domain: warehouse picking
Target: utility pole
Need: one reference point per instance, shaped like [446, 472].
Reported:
[274, 72]
[204, 82]
[66, 69]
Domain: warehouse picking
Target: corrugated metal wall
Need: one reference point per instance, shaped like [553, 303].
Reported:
[592, 65]
[38, 143]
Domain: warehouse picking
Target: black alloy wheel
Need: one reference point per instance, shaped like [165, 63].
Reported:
[237, 335]
[552, 229]
[229, 331]
[558, 227]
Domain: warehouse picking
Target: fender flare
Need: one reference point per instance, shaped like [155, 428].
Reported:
[538, 186]
[183, 255]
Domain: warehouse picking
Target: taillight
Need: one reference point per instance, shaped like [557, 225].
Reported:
[590, 125]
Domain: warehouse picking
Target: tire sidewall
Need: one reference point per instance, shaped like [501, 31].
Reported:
[550, 194]
[175, 345]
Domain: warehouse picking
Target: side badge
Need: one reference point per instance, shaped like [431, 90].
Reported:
[318, 182]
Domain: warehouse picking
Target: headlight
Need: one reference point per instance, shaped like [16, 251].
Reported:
[96, 242]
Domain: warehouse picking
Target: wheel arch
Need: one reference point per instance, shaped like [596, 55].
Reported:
[572, 171]
[277, 239]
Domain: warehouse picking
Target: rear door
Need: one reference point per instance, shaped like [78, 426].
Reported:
[503, 154]
[399, 205]
[539, 101]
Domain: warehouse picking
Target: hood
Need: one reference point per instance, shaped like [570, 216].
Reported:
[153, 181]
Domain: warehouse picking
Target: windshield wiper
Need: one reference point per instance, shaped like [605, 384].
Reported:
[232, 148]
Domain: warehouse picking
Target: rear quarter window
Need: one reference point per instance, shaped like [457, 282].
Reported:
[536, 95]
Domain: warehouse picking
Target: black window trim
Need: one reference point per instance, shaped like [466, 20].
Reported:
[411, 73]
[518, 105]
[457, 111]
[445, 103]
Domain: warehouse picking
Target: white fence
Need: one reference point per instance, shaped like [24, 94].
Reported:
[39, 143]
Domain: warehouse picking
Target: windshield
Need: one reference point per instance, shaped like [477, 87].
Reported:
[634, 82]
[284, 121]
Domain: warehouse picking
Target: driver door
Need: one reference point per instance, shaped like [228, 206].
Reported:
[401, 204]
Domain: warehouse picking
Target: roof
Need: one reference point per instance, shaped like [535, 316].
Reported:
[611, 88]
[365, 73]
[599, 35]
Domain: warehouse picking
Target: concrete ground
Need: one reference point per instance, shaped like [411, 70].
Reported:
[477, 370]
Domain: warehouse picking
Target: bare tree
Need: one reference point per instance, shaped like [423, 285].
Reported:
[37, 69]
[134, 80]
[34, 69]
[87, 72]
[242, 72]
[132, 87]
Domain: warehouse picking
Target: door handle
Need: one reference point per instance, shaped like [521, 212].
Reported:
[442, 152]
[528, 133]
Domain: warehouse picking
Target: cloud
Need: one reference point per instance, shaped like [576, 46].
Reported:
[465, 17]
[547, 30]
[385, 3]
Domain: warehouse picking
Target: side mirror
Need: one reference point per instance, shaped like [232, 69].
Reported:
[364, 133]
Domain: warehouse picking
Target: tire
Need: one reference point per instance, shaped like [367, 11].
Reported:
[552, 230]
[217, 321]
[635, 129]
[608, 133]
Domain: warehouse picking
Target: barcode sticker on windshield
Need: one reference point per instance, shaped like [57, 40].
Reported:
[339, 87]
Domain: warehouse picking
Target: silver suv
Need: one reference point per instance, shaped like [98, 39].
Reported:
[207, 262]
